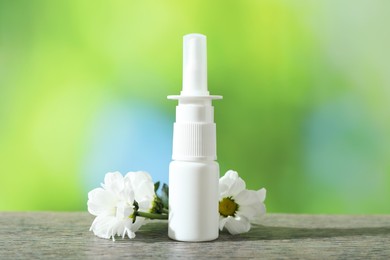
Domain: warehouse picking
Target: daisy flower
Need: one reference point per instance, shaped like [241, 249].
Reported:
[239, 207]
[115, 204]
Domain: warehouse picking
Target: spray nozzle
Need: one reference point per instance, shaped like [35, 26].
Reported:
[194, 65]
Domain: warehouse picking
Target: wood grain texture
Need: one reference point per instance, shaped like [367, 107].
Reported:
[37, 235]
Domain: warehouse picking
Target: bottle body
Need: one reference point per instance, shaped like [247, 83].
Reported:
[193, 200]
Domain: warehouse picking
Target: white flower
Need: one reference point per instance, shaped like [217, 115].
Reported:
[238, 207]
[114, 203]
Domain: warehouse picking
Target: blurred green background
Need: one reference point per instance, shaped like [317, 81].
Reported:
[306, 88]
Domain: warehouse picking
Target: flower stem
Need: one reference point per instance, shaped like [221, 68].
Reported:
[151, 215]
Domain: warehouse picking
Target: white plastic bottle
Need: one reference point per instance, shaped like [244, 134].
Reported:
[194, 173]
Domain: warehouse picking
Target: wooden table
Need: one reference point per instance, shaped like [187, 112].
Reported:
[37, 235]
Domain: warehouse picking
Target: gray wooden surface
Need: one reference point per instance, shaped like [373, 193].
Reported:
[37, 235]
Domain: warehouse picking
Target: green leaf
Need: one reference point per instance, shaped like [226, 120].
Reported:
[165, 195]
[156, 186]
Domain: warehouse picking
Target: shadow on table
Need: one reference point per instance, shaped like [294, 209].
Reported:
[157, 232]
[282, 233]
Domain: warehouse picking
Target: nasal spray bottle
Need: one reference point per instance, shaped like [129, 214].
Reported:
[194, 173]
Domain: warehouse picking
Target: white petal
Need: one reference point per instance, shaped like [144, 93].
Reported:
[144, 190]
[130, 234]
[250, 204]
[101, 202]
[237, 225]
[122, 226]
[137, 177]
[233, 181]
[128, 193]
[113, 181]
[246, 197]
[138, 223]
[143, 187]
[222, 222]
[261, 194]
[145, 204]
[229, 178]
[142, 184]
[223, 189]
[102, 226]
[124, 210]
[118, 227]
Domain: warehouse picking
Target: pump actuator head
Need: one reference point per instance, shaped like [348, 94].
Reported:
[194, 68]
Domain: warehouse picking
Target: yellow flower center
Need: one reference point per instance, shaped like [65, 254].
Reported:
[227, 207]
